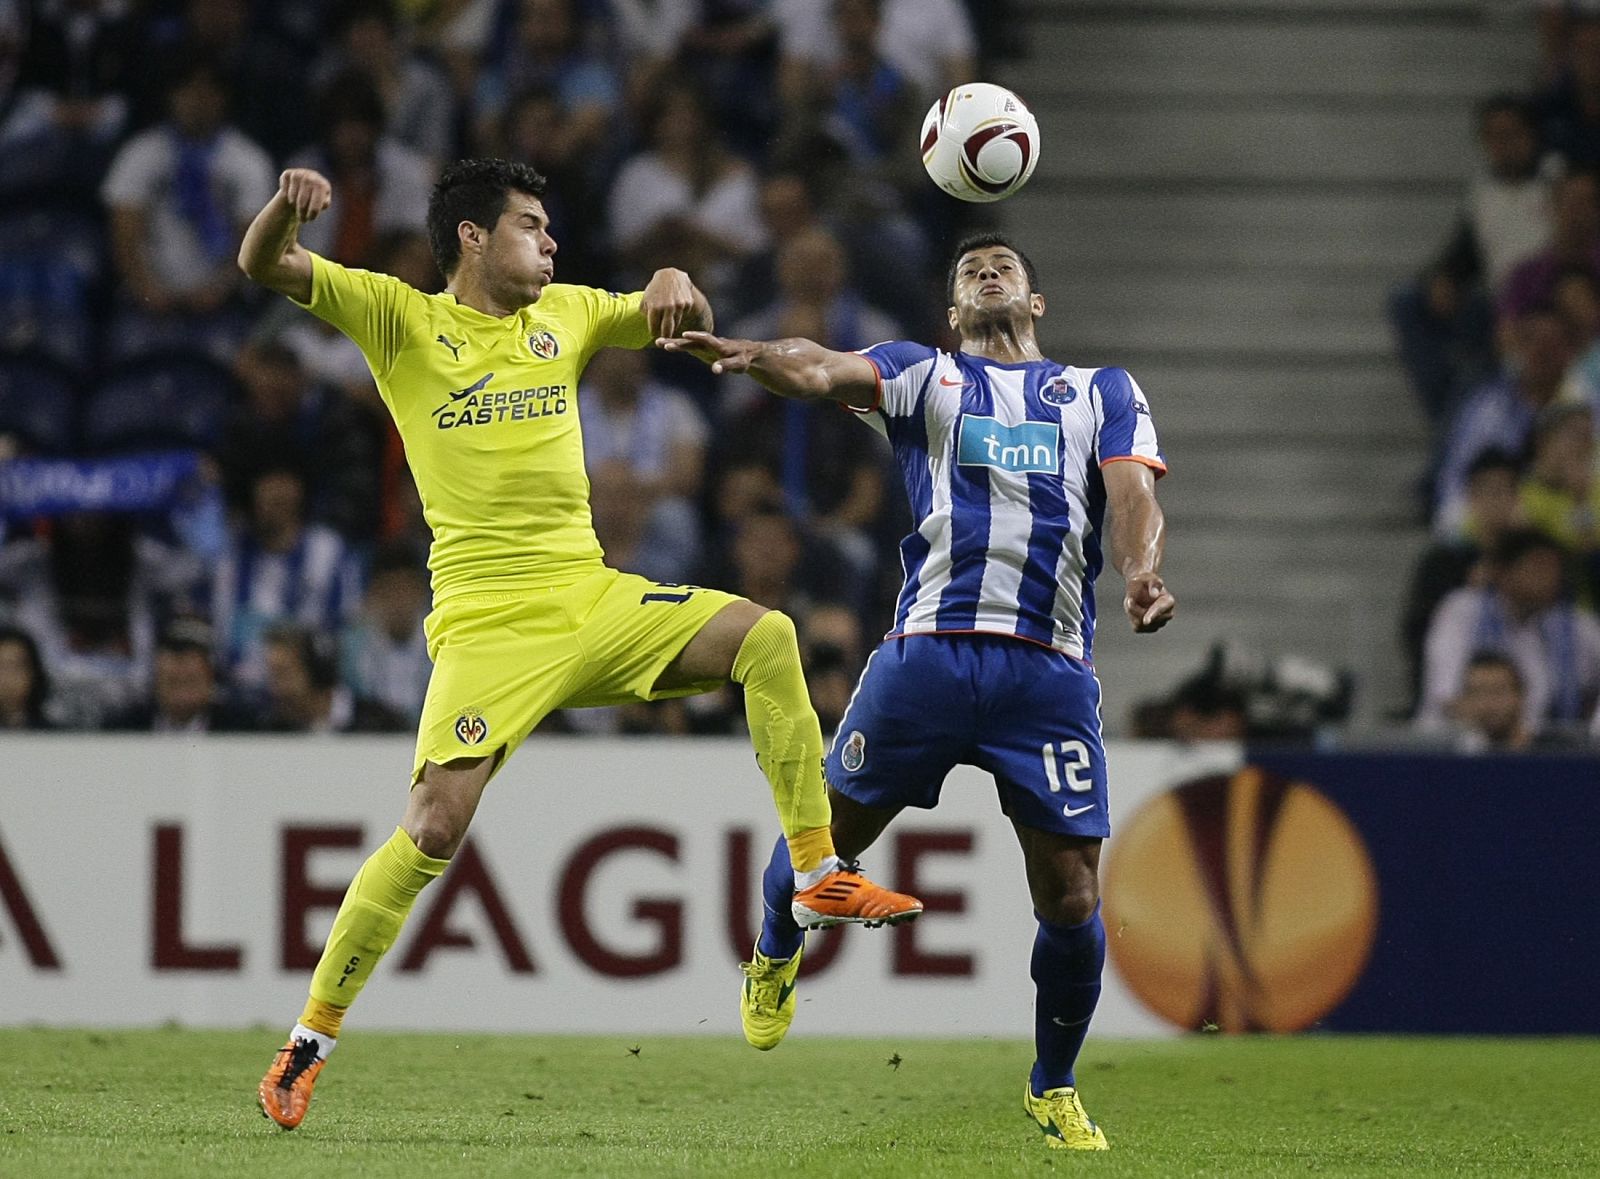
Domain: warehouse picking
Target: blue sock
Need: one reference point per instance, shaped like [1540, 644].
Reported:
[780, 936]
[1067, 961]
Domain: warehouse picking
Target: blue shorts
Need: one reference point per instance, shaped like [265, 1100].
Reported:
[1024, 713]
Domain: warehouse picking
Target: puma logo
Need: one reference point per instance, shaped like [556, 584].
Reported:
[455, 349]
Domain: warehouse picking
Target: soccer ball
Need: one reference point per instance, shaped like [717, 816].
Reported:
[980, 143]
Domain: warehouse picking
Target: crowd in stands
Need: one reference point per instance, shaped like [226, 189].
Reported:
[206, 521]
[1500, 339]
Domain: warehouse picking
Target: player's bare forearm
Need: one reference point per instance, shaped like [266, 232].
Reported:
[795, 367]
[271, 253]
[1138, 538]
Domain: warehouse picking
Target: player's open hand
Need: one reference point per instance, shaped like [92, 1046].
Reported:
[723, 355]
[1149, 604]
[669, 302]
[308, 192]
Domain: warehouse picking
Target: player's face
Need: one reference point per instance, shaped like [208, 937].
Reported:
[519, 253]
[992, 288]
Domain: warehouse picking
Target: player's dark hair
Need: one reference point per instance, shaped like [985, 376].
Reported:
[38, 678]
[984, 240]
[1496, 659]
[475, 191]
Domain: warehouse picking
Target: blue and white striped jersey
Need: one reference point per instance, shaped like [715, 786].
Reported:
[1002, 463]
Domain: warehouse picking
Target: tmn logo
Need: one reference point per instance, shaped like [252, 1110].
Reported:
[1025, 447]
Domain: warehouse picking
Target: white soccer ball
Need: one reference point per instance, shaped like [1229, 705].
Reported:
[980, 142]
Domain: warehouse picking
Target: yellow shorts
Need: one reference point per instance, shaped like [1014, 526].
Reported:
[502, 662]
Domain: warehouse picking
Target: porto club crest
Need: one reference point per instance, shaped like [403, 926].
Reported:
[1058, 391]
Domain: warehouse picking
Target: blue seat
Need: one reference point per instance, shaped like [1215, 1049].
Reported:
[38, 403]
[163, 399]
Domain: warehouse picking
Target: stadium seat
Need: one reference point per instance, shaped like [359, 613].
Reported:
[163, 399]
[38, 402]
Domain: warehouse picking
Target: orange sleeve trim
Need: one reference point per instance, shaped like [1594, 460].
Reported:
[1156, 465]
[877, 389]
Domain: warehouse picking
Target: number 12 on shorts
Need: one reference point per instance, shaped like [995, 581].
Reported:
[1068, 761]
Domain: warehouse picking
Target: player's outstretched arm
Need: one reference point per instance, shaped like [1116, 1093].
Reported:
[1138, 537]
[271, 253]
[795, 367]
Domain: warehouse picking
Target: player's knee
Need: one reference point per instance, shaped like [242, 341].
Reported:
[436, 832]
[1071, 904]
[771, 649]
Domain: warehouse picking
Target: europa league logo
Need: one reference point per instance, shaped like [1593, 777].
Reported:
[1247, 902]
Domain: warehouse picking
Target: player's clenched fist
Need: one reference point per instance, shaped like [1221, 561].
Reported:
[1149, 604]
[307, 192]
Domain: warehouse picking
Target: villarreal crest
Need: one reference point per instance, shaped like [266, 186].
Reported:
[542, 343]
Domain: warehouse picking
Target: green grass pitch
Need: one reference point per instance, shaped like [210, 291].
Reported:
[181, 1103]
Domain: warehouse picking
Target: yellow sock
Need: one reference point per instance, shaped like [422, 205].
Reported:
[787, 736]
[323, 1017]
[807, 851]
[369, 920]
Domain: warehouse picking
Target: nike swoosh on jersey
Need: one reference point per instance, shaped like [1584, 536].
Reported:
[955, 384]
[1071, 811]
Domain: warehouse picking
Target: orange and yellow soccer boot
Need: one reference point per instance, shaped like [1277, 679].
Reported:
[285, 1091]
[846, 897]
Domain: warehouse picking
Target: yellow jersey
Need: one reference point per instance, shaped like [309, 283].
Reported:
[488, 411]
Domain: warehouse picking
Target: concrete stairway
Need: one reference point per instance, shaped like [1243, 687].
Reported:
[1227, 190]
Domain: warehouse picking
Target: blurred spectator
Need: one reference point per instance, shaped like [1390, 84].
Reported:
[1561, 496]
[261, 66]
[380, 186]
[24, 684]
[869, 107]
[538, 130]
[733, 50]
[686, 201]
[827, 468]
[304, 694]
[1490, 708]
[1455, 560]
[93, 593]
[278, 567]
[384, 652]
[830, 650]
[788, 208]
[70, 104]
[1509, 204]
[1569, 109]
[1501, 412]
[185, 696]
[180, 196]
[290, 421]
[547, 50]
[773, 565]
[1577, 297]
[416, 101]
[1574, 242]
[930, 42]
[1521, 613]
[814, 299]
[1442, 321]
[644, 445]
